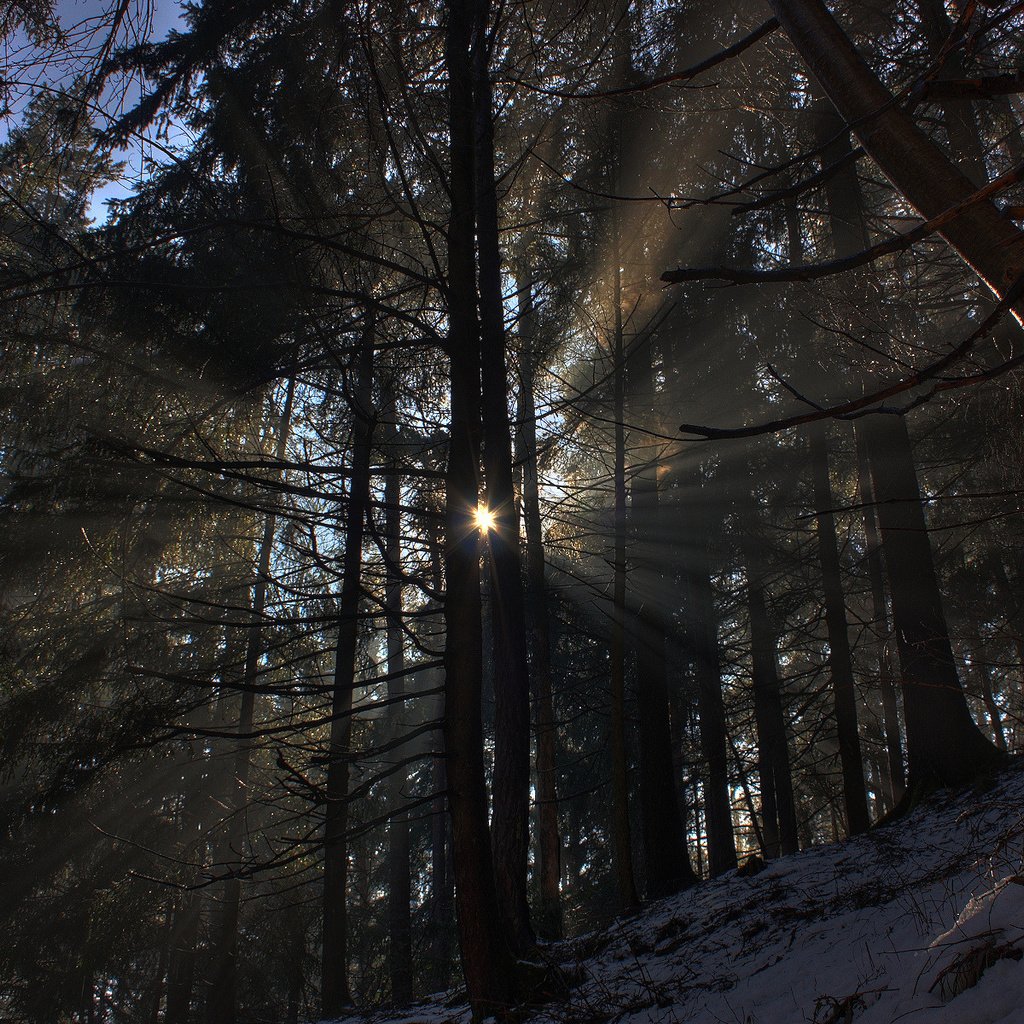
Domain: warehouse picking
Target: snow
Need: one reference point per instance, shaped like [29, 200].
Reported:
[919, 921]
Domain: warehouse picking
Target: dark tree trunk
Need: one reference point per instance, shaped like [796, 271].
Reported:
[486, 959]
[894, 775]
[622, 843]
[510, 824]
[944, 746]
[335, 995]
[844, 694]
[702, 633]
[844, 224]
[221, 996]
[440, 884]
[549, 844]
[181, 963]
[778, 808]
[666, 859]
[441, 873]
[399, 879]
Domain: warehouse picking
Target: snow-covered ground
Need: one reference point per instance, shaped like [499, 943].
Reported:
[919, 922]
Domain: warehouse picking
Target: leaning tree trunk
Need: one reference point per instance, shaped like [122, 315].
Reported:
[486, 958]
[510, 825]
[334, 989]
[985, 239]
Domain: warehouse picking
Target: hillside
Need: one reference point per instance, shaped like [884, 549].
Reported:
[919, 921]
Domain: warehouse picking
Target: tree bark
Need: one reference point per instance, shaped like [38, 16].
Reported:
[335, 995]
[486, 958]
[944, 746]
[666, 860]
[844, 695]
[778, 807]
[510, 825]
[622, 843]
[702, 634]
[399, 876]
[221, 996]
[894, 775]
[549, 844]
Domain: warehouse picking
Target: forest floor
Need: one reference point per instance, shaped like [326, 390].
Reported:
[921, 921]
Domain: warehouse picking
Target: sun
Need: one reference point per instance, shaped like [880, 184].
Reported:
[484, 519]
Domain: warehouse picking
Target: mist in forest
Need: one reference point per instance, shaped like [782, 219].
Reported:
[471, 471]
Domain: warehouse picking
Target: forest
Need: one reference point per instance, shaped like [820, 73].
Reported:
[472, 469]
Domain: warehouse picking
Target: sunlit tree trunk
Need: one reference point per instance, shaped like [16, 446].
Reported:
[335, 995]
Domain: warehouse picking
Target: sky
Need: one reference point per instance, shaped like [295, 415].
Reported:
[147, 19]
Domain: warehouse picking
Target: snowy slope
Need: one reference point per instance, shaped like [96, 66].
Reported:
[921, 921]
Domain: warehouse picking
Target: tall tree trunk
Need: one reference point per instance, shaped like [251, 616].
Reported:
[181, 963]
[335, 995]
[916, 166]
[778, 808]
[666, 859]
[441, 873]
[549, 844]
[702, 631]
[486, 959]
[840, 663]
[895, 776]
[622, 843]
[221, 996]
[399, 877]
[510, 825]
[944, 746]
